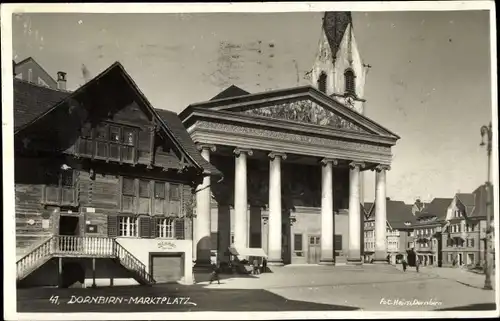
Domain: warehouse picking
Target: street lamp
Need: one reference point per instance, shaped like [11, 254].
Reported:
[486, 131]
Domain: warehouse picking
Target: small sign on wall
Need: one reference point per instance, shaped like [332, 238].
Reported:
[91, 228]
[45, 224]
[166, 245]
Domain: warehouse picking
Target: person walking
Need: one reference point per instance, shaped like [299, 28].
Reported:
[215, 274]
[264, 265]
[404, 265]
[255, 266]
[417, 263]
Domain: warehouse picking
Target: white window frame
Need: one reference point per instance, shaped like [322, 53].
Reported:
[128, 226]
[165, 228]
[30, 75]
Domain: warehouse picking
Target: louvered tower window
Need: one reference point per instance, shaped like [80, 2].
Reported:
[350, 85]
[322, 82]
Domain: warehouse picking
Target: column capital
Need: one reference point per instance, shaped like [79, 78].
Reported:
[326, 160]
[237, 151]
[273, 155]
[357, 164]
[382, 167]
[210, 147]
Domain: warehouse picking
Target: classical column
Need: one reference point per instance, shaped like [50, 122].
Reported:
[274, 237]
[380, 215]
[241, 198]
[202, 223]
[354, 254]
[327, 217]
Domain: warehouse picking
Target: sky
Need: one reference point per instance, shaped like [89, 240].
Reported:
[430, 80]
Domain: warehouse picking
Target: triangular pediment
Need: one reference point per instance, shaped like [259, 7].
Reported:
[299, 105]
[309, 112]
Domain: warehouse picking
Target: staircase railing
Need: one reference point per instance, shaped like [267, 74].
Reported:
[31, 259]
[78, 246]
[128, 260]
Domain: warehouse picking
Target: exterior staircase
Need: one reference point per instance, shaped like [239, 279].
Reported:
[82, 247]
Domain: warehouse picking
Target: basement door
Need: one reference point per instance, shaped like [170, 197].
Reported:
[167, 267]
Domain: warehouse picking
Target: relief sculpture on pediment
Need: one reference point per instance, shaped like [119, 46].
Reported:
[305, 111]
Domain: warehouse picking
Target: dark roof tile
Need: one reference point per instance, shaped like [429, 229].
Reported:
[31, 100]
[231, 91]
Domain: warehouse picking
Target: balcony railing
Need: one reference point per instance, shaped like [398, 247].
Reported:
[83, 246]
[77, 246]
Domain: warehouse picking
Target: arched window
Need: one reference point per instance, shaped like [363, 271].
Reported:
[322, 82]
[350, 84]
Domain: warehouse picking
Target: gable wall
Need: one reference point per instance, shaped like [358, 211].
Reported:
[37, 72]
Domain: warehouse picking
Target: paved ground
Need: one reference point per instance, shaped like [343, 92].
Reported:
[369, 287]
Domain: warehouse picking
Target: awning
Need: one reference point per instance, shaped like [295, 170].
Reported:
[247, 251]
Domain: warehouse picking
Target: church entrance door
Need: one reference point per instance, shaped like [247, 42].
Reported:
[314, 250]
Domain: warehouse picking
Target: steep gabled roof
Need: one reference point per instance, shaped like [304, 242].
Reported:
[399, 215]
[42, 102]
[480, 199]
[335, 25]
[30, 101]
[231, 91]
[437, 208]
[22, 62]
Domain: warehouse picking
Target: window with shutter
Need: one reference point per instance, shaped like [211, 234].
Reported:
[159, 198]
[144, 196]
[179, 229]
[128, 195]
[297, 242]
[59, 187]
[350, 86]
[112, 226]
[322, 82]
[154, 227]
[145, 226]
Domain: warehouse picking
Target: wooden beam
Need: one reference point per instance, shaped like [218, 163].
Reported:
[93, 273]
[60, 276]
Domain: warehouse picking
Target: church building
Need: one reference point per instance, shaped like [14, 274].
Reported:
[292, 162]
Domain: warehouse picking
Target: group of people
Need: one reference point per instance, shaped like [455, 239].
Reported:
[257, 268]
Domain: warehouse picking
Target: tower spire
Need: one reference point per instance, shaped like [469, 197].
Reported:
[335, 25]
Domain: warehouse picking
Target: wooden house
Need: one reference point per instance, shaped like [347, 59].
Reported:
[104, 185]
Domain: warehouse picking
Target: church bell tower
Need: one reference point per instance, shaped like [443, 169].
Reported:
[338, 69]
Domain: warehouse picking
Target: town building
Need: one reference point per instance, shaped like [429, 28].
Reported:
[400, 224]
[292, 161]
[465, 231]
[103, 185]
[431, 218]
[30, 70]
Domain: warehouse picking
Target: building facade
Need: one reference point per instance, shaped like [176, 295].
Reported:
[292, 161]
[431, 218]
[400, 224]
[465, 231]
[29, 70]
[103, 186]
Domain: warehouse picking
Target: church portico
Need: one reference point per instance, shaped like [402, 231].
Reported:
[292, 184]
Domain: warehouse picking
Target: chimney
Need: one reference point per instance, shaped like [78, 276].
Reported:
[61, 80]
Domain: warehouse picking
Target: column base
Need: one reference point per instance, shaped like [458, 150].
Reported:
[354, 261]
[327, 262]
